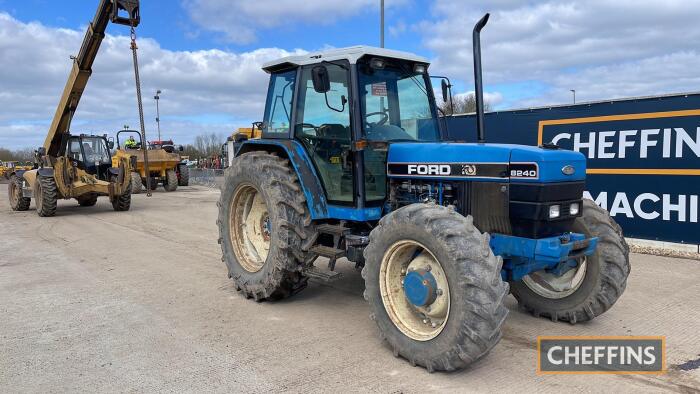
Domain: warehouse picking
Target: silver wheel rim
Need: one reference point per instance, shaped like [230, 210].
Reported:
[249, 226]
[555, 287]
[418, 323]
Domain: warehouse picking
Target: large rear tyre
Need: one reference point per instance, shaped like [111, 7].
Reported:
[122, 203]
[135, 183]
[170, 184]
[46, 196]
[88, 200]
[14, 190]
[593, 287]
[434, 287]
[184, 175]
[264, 227]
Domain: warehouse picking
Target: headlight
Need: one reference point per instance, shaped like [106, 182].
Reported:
[554, 211]
[574, 209]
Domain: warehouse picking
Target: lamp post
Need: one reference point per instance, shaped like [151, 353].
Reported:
[157, 98]
[574, 92]
[381, 25]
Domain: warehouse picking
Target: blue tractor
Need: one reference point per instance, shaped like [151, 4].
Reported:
[353, 164]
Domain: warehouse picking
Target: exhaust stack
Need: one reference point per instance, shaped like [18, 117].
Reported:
[478, 87]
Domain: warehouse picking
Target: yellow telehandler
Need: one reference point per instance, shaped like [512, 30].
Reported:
[79, 166]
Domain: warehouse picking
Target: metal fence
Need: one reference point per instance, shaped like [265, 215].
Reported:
[207, 177]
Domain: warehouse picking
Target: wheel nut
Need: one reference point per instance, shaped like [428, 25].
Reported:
[429, 268]
[433, 324]
[439, 292]
[425, 321]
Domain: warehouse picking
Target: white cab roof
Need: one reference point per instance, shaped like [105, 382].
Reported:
[351, 54]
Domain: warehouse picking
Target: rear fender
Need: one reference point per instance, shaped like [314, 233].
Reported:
[304, 168]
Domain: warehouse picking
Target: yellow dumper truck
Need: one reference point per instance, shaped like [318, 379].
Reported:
[164, 162]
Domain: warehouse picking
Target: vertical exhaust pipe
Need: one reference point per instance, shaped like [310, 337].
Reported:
[478, 86]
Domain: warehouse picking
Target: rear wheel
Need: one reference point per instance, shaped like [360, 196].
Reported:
[593, 286]
[87, 200]
[434, 287]
[184, 178]
[46, 196]
[17, 200]
[135, 183]
[170, 183]
[264, 227]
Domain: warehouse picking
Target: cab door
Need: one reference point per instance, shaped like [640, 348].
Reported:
[323, 127]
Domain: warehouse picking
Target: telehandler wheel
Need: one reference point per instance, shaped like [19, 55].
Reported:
[87, 200]
[122, 203]
[17, 201]
[170, 184]
[434, 287]
[184, 179]
[46, 196]
[588, 290]
[264, 226]
[135, 183]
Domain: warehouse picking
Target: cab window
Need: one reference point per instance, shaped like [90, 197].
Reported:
[278, 108]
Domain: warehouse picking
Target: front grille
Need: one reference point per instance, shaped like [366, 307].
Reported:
[488, 203]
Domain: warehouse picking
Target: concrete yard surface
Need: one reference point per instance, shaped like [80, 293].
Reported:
[102, 301]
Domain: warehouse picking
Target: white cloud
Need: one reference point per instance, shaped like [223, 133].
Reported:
[203, 91]
[238, 20]
[601, 48]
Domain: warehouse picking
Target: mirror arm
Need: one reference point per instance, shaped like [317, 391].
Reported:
[335, 109]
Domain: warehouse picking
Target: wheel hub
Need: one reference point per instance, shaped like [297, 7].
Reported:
[420, 288]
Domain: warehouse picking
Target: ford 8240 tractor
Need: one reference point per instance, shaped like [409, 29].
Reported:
[352, 164]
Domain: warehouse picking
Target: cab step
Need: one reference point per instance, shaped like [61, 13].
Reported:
[327, 251]
[332, 229]
[325, 276]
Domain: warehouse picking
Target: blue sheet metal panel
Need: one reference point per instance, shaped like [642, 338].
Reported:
[440, 152]
[641, 187]
[310, 184]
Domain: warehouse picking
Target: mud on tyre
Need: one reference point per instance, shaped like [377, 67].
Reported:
[14, 190]
[595, 285]
[264, 226]
[471, 288]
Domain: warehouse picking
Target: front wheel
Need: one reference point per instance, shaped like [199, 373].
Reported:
[122, 203]
[170, 183]
[434, 287]
[591, 288]
[46, 196]
[183, 175]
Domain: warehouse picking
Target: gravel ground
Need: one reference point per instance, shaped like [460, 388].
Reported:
[99, 301]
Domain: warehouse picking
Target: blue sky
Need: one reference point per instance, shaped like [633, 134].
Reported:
[206, 54]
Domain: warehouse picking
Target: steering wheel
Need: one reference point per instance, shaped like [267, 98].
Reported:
[383, 120]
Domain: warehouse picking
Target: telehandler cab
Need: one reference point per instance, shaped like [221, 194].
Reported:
[352, 164]
[78, 166]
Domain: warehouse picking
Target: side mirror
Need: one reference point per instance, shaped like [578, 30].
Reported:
[182, 149]
[110, 143]
[41, 151]
[445, 90]
[321, 80]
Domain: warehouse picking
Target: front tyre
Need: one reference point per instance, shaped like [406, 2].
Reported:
[170, 183]
[135, 183]
[434, 287]
[593, 287]
[264, 226]
[46, 196]
[183, 175]
[122, 203]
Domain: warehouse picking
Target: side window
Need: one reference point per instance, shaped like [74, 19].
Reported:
[278, 108]
[74, 151]
[323, 126]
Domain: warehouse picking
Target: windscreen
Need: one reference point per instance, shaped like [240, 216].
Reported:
[396, 103]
